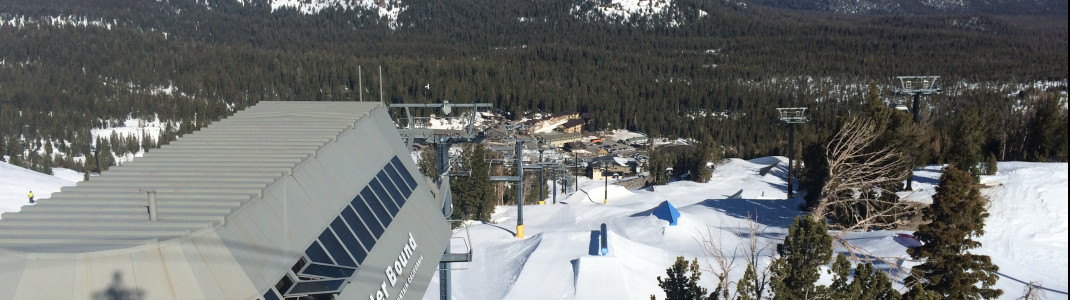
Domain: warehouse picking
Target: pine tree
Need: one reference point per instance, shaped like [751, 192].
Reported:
[473, 195]
[707, 151]
[916, 292]
[957, 216]
[427, 164]
[659, 161]
[3, 147]
[745, 287]
[815, 173]
[873, 284]
[842, 287]
[967, 137]
[147, 142]
[480, 176]
[806, 247]
[989, 166]
[681, 281]
[1043, 137]
[869, 283]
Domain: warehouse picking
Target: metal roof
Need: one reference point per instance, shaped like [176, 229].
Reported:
[200, 179]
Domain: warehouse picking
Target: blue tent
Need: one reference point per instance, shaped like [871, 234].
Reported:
[667, 212]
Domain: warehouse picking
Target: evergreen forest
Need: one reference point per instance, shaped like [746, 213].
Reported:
[708, 70]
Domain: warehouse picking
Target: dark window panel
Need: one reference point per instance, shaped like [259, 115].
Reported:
[312, 287]
[271, 295]
[356, 250]
[366, 237]
[335, 249]
[380, 211]
[404, 172]
[396, 178]
[315, 253]
[327, 271]
[399, 200]
[388, 200]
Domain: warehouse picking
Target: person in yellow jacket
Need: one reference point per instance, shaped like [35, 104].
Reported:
[31, 197]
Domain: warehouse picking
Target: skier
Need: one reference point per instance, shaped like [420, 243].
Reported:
[31, 197]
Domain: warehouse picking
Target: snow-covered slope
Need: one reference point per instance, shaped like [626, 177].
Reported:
[1026, 230]
[389, 9]
[624, 9]
[1026, 235]
[16, 183]
[923, 6]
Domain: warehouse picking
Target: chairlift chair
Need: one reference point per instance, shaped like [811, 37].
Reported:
[466, 254]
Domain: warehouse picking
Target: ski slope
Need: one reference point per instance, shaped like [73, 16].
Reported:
[1026, 232]
[16, 183]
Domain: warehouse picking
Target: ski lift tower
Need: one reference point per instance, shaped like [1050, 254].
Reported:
[516, 156]
[419, 129]
[554, 165]
[916, 86]
[792, 116]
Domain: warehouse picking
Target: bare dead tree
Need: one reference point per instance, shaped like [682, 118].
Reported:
[752, 251]
[723, 262]
[856, 172]
[1033, 291]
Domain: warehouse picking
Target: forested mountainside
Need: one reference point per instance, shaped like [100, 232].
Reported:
[1002, 7]
[675, 68]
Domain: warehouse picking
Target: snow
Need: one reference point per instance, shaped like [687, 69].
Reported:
[550, 127]
[1026, 233]
[624, 9]
[1026, 230]
[457, 122]
[621, 134]
[67, 174]
[925, 181]
[388, 9]
[131, 127]
[16, 183]
[556, 259]
[21, 21]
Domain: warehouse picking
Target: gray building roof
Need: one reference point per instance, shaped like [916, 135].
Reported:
[283, 199]
[199, 180]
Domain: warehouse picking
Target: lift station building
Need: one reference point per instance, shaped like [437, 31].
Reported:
[283, 200]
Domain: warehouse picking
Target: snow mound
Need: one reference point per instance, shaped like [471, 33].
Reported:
[503, 263]
[592, 271]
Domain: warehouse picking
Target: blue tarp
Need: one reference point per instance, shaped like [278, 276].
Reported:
[667, 212]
